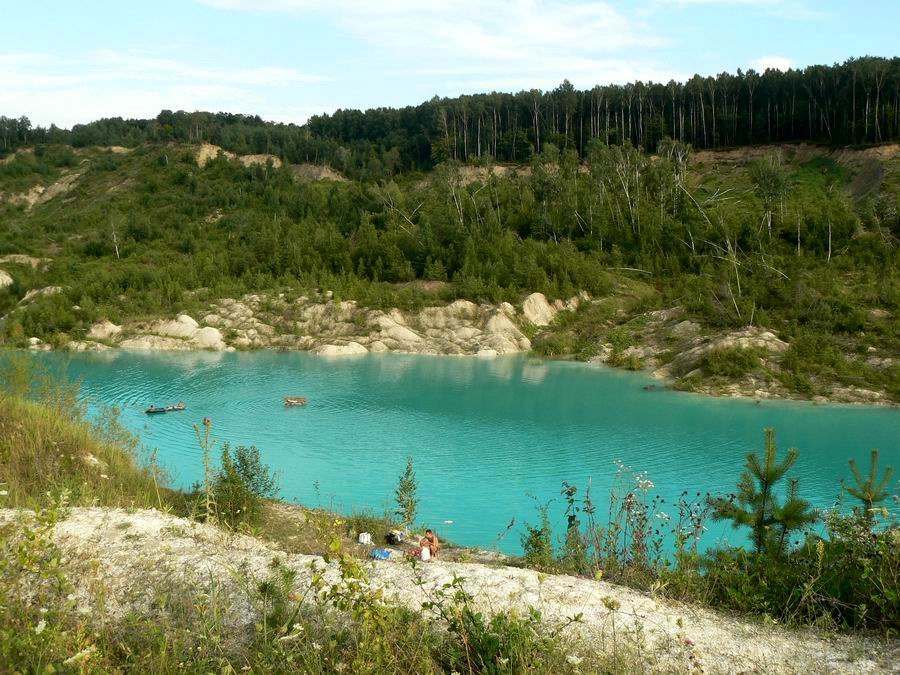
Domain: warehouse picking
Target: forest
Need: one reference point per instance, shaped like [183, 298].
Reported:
[856, 102]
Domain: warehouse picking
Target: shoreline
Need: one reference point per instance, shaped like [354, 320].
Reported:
[664, 344]
[654, 383]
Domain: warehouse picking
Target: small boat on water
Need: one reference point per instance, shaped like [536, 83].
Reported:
[155, 410]
[294, 400]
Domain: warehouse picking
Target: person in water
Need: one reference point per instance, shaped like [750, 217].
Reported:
[430, 541]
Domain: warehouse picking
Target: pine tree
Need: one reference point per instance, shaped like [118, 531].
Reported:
[756, 504]
[407, 501]
[870, 491]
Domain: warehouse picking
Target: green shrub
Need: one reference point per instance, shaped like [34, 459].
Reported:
[405, 495]
[731, 361]
[241, 485]
[537, 542]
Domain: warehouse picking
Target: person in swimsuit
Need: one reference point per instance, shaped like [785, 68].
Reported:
[430, 541]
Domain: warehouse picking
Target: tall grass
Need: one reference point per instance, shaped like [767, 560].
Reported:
[48, 446]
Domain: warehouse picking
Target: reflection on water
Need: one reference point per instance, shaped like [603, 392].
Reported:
[485, 434]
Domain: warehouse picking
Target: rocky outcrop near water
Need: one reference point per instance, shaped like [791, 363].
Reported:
[667, 343]
[675, 349]
[336, 328]
[181, 334]
[330, 327]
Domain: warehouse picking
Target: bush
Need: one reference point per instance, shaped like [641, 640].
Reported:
[241, 485]
[730, 361]
[537, 541]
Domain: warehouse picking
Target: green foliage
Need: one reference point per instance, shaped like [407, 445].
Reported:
[502, 643]
[405, 495]
[537, 542]
[733, 362]
[241, 485]
[870, 490]
[845, 577]
[757, 506]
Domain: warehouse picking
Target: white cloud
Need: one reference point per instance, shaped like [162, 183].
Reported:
[781, 63]
[795, 10]
[107, 83]
[501, 45]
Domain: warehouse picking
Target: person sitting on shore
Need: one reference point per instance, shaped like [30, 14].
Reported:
[430, 541]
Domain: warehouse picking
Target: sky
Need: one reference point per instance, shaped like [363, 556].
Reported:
[67, 62]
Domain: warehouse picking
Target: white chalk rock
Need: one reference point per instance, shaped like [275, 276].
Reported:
[104, 330]
[537, 310]
[350, 349]
[209, 338]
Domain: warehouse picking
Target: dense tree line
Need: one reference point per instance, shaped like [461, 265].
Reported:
[851, 103]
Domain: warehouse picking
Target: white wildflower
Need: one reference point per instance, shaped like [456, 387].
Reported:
[317, 646]
[4, 493]
[80, 656]
[573, 660]
[104, 476]
[40, 627]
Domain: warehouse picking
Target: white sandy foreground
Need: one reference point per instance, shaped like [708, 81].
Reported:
[133, 555]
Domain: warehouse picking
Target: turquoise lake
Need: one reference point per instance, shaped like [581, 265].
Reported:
[486, 435]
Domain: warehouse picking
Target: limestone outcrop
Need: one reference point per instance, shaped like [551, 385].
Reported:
[751, 337]
[181, 334]
[334, 328]
[349, 349]
[103, 330]
[38, 292]
[537, 310]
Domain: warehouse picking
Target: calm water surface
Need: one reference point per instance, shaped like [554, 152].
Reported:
[485, 435]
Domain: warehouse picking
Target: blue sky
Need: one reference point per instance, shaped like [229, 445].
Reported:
[69, 62]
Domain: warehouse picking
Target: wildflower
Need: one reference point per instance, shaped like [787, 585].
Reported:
[573, 660]
[317, 646]
[104, 476]
[4, 493]
[40, 627]
[80, 656]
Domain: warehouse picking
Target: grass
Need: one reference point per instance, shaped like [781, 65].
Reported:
[43, 450]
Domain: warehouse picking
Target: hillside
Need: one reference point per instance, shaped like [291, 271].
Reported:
[767, 271]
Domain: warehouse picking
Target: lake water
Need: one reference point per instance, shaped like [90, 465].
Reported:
[485, 435]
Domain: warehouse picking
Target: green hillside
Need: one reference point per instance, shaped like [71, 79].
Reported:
[797, 239]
